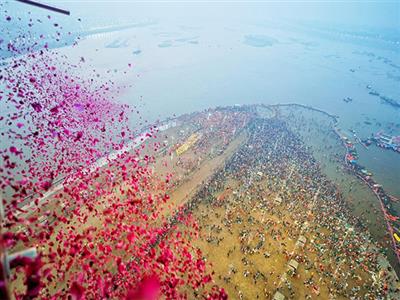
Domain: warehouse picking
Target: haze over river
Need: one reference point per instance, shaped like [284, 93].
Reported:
[199, 55]
[185, 67]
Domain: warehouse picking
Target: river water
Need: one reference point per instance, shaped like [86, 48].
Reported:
[183, 68]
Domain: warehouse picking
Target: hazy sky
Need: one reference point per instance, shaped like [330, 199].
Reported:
[353, 13]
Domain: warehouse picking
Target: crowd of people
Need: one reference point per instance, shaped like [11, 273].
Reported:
[277, 193]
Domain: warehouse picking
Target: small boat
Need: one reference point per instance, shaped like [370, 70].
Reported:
[347, 99]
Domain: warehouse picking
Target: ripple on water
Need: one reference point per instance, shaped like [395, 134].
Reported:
[165, 44]
[256, 40]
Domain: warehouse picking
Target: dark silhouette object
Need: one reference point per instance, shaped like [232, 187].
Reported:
[45, 6]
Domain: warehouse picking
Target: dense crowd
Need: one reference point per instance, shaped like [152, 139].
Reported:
[276, 164]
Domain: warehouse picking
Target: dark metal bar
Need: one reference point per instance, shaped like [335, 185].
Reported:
[45, 6]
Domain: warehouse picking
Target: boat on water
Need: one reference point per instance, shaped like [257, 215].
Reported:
[348, 99]
[386, 141]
